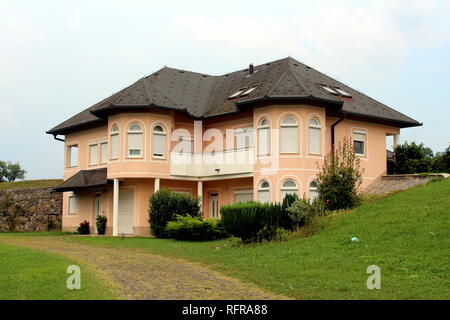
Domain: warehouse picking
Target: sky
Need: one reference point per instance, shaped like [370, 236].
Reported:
[60, 57]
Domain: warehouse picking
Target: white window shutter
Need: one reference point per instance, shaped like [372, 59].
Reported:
[93, 154]
[159, 145]
[243, 196]
[72, 205]
[114, 146]
[314, 140]
[289, 140]
[263, 141]
[264, 196]
[135, 141]
[104, 152]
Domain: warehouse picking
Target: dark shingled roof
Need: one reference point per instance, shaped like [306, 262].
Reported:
[202, 96]
[83, 179]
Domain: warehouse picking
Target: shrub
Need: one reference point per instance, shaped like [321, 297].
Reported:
[195, 229]
[165, 205]
[302, 211]
[339, 178]
[101, 224]
[246, 220]
[287, 222]
[84, 228]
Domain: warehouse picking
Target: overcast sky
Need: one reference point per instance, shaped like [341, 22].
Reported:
[59, 57]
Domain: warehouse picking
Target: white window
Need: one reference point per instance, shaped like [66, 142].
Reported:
[263, 138]
[103, 152]
[359, 142]
[330, 90]
[72, 205]
[264, 192]
[243, 195]
[135, 134]
[72, 156]
[185, 144]
[289, 135]
[314, 136]
[115, 142]
[313, 192]
[244, 138]
[158, 142]
[343, 92]
[234, 95]
[248, 91]
[93, 154]
[289, 187]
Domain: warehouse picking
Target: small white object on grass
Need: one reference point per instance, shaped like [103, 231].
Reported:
[354, 239]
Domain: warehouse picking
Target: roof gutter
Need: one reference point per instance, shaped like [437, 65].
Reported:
[59, 139]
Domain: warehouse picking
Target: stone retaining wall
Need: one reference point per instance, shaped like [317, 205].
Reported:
[388, 183]
[30, 210]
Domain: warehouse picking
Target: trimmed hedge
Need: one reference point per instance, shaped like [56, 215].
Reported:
[252, 221]
[195, 229]
[165, 205]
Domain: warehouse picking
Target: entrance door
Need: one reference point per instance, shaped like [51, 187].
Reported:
[97, 201]
[214, 205]
[126, 212]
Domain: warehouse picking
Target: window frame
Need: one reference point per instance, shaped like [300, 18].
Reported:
[159, 133]
[262, 189]
[112, 134]
[135, 132]
[90, 163]
[288, 189]
[314, 189]
[101, 143]
[69, 207]
[289, 125]
[363, 133]
[264, 127]
[314, 127]
[69, 155]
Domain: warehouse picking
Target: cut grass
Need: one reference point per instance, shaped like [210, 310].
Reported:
[29, 184]
[27, 274]
[407, 235]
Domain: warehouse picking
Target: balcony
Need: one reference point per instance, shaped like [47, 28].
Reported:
[227, 162]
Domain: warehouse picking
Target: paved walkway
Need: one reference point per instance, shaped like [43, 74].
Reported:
[134, 274]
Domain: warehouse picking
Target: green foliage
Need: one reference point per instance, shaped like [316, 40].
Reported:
[302, 211]
[84, 228]
[339, 178]
[11, 171]
[165, 205]
[30, 184]
[101, 224]
[195, 229]
[287, 222]
[246, 220]
[413, 158]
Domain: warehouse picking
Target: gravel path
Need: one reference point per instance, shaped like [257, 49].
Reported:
[138, 275]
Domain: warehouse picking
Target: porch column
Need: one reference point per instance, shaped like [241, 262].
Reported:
[157, 184]
[200, 193]
[116, 207]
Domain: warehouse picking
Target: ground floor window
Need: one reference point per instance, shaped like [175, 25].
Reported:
[289, 187]
[72, 205]
[243, 195]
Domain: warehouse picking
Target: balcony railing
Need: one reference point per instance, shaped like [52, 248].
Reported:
[236, 161]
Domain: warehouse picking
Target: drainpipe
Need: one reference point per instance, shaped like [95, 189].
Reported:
[59, 139]
[332, 130]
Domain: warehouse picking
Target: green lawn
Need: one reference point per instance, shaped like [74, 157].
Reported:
[407, 235]
[31, 274]
[28, 184]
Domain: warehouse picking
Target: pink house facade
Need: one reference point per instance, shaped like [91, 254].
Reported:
[254, 134]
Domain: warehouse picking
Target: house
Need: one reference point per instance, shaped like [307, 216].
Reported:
[257, 133]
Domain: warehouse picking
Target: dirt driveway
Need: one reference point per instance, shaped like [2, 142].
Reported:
[135, 274]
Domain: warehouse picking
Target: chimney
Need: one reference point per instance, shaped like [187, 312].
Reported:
[250, 69]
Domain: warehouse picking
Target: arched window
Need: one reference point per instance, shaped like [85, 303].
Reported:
[314, 136]
[264, 192]
[115, 142]
[288, 187]
[289, 135]
[134, 142]
[263, 138]
[159, 142]
[313, 192]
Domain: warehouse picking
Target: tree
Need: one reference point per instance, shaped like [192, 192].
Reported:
[11, 171]
[339, 177]
[416, 158]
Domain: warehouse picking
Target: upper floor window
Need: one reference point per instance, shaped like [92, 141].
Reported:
[359, 142]
[314, 136]
[244, 138]
[288, 187]
[103, 152]
[264, 192]
[158, 142]
[72, 156]
[313, 192]
[93, 154]
[289, 135]
[263, 137]
[115, 142]
[134, 141]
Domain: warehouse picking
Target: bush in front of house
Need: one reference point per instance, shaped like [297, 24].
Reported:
[84, 228]
[339, 177]
[165, 205]
[188, 228]
[252, 221]
[287, 222]
[302, 211]
[101, 224]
